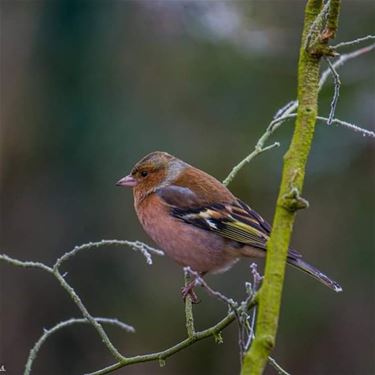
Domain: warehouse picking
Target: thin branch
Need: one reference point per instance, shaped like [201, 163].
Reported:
[162, 355]
[257, 150]
[240, 312]
[25, 264]
[135, 245]
[200, 281]
[48, 332]
[342, 60]
[336, 94]
[95, 322]
[233, 305]
[257, 279]
[77, 300]
[189, 318]
[283, 110]
[277, 367]
[143, 248]
[284, 113]
[123, 361]
[356, 128]
[355, 41]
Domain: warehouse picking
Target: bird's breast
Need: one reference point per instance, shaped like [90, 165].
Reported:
[188, 245]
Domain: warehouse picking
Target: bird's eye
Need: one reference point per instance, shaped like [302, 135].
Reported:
[144, 173]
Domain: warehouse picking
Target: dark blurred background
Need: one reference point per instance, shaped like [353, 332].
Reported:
[89, 87]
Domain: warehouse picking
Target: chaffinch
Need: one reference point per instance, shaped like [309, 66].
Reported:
[197, 221]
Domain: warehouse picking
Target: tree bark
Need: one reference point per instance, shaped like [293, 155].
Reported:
[313, 47]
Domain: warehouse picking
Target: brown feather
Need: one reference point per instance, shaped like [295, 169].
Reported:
[206, 187]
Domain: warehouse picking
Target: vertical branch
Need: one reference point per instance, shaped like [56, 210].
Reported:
[289, 199]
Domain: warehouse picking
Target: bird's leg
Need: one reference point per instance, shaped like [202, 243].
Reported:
[188, 289]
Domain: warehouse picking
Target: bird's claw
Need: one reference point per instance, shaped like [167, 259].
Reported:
[188, 290]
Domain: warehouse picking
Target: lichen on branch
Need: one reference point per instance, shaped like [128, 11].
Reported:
[289, 199]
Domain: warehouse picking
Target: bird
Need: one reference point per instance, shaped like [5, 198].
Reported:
[197, 220]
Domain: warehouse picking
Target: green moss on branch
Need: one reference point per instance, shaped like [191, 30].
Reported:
[289, 199]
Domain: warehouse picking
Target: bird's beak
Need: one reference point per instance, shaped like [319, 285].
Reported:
[127, 181]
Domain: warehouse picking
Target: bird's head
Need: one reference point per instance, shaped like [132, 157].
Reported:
[152, 172]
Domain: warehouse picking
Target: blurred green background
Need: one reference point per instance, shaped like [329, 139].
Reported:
[89, 87]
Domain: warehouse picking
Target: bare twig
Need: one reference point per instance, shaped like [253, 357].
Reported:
[356, 128]
[200, 281]
[355, 41]
[258, 149]
[286, 109]
[239, 310]
[77, 300]
[95, 322]
[342, 60]
[277, 367]
[25, 264]
[233, 305]
[135, 245]
[210, 332]
[196, 336]
[189, 318]
[257, 278]
[143, 248]
[286, 112]
[337, 84]
[48, 332]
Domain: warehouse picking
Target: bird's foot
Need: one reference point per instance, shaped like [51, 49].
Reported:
[188, 290]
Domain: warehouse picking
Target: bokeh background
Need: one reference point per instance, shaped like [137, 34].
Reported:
[89, 87]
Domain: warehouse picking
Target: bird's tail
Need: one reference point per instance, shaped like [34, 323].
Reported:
[315, 273]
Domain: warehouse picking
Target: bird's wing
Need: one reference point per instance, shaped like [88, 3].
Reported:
[235, 220]
[178, 196]
[228, 220]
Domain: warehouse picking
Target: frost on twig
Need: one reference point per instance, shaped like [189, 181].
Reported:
[288, 111]
[335, 98]
[146, 250]
[342, 60]
[345, 124]
[355, 128]
[25, 264]
[355, 41]
[87, 317]
[214, 331]
[249, 319]
[244, 316]
[96, 322]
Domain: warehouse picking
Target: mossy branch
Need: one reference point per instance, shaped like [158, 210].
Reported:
[289, 199]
